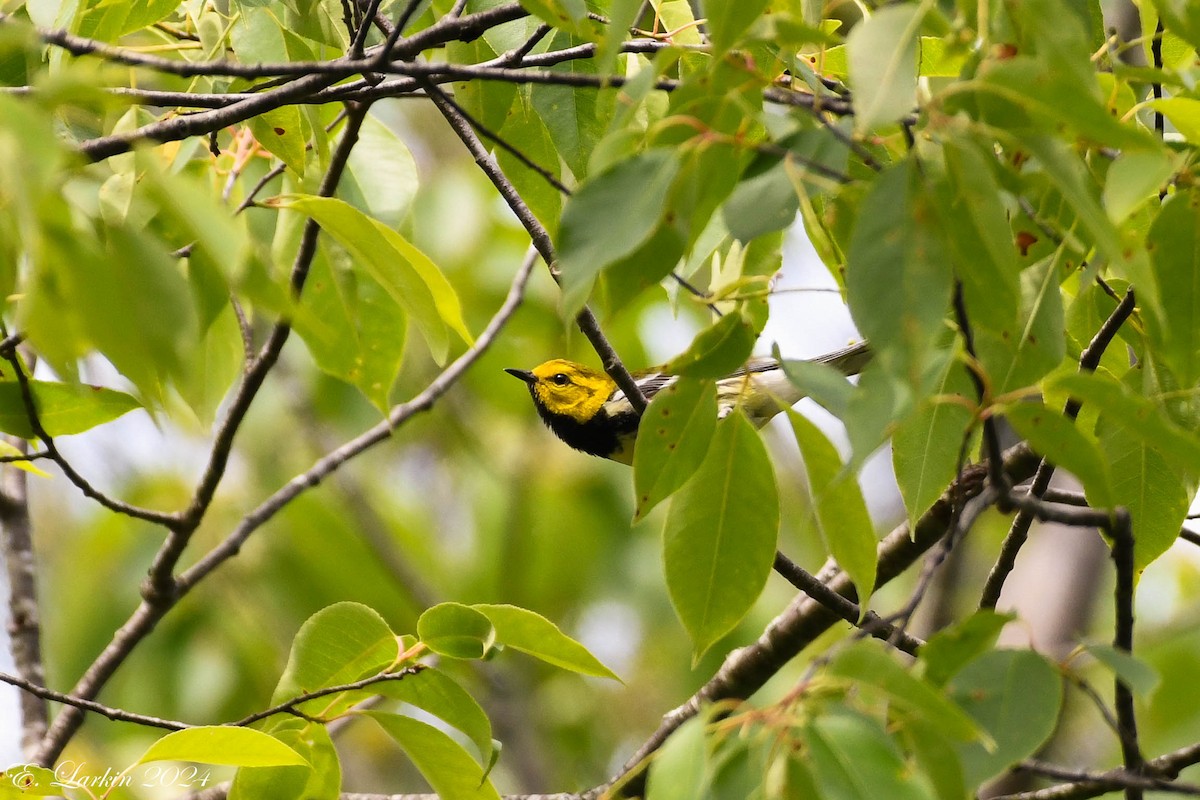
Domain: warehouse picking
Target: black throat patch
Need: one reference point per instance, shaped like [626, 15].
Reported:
[599, 436]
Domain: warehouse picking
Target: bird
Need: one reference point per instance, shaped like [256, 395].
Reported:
[586, 409]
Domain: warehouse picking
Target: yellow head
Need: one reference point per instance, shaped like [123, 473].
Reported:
[567, 389]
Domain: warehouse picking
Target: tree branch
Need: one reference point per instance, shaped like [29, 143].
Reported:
[1018, 532]
[116, 714]
[586, 320]
[24, 611]
[872, 624]
[746, 670]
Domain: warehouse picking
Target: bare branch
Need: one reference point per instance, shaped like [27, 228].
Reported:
[1018, 532]
[1123, 558]
[872, 624]
[82, 704]
[24, 611]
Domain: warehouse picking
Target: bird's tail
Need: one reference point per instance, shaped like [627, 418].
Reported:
[849, 360]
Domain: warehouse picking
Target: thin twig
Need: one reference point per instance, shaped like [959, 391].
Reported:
[1018, 531]
[83, 704]
[872, 624]
[289, 706]
[991, 436]
[29, 401]
[586, 320]
[1124, 777]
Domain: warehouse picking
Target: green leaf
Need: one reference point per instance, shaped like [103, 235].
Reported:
[406, 273]
[867, 663]
[457, 631]
[29, 780]
[1174, 244]
[1028, 347]
[434, 691]
[936, 757]
[948, 650]
[566, 15]
[132, 303]
[1184, 113]
[1152, 489]
[728, 19]
[898, 278]
[1136, 415]
[1134, 178]
[533, 634]
[718, 349]
[882, 58]
[762, 203]
[853, 758]
[628, 277]
[1135, 673]
[873, 410]
[574, 116]
[978, 234]
[673, 437]
[256, 35]
[63, 408]
[450, 770]
[838, 507]
[108, 22]
[609, 217]
[339, 644]
[1014, 695]
[381, 175]
[223, 744]
[321, 781]
[622, 14]
[488, 102]
[1057, 438]
[677, 16]
[198, 217]
[354, 328]
[282, 133]
[680, 768]
[526, 131]
[1071, 177]
[927, 444]
[720, 535]
[824, 385]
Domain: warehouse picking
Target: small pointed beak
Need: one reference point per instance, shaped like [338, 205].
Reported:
[523, 374]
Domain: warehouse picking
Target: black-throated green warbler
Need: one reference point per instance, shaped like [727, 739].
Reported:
[585, 409]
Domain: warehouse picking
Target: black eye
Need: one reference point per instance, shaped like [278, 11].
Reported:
[560, 379]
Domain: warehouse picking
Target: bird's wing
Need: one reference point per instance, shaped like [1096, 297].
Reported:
[650, 383]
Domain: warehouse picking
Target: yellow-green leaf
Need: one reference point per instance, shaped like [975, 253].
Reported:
[838, 506]
[407, 274]
[223, 744]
